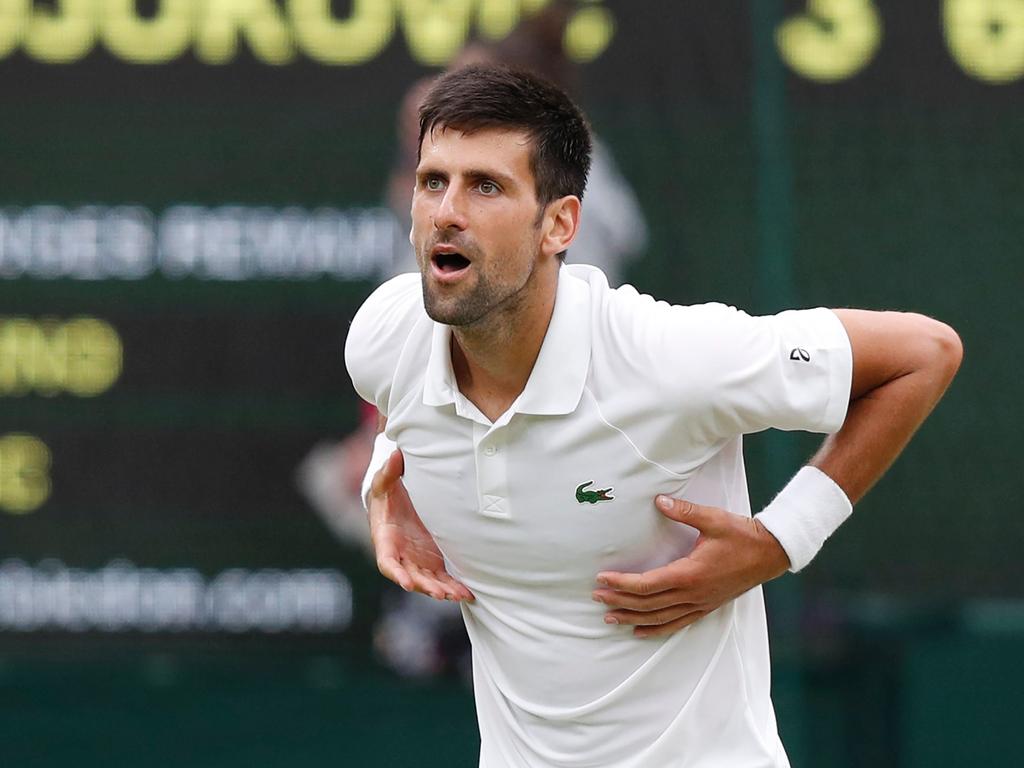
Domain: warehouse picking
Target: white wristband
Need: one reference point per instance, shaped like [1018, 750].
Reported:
[382, 450]
[805, 513]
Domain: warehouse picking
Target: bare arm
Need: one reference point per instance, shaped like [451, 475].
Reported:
[902, 364]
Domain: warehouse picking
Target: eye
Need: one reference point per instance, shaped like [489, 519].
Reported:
[488, 188]
[434, 184]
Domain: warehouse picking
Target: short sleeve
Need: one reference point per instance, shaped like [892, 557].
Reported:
[378, 334]
[788, 371]
[720, 372]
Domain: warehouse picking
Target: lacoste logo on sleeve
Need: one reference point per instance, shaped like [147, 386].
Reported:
[592, 497]
[799, 353]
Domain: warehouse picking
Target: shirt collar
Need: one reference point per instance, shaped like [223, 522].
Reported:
[556, 383]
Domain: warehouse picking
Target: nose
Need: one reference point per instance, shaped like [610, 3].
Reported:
[450, 213]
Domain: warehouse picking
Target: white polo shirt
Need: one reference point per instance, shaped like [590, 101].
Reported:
[629, 398]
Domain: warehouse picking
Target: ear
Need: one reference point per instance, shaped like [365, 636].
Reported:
[560, 224]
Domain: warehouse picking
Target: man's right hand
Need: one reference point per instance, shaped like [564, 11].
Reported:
[406, 552]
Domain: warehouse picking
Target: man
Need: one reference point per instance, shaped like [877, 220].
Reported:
[549, 429]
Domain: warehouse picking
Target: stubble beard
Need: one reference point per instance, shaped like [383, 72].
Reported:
[461, 308]
[465, 307]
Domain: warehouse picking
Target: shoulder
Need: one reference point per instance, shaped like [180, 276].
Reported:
[394, 303]
[714, 358]
[378, 334]
[637, 326]
[659, 341]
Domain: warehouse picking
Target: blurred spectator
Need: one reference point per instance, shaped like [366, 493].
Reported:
[416, 636]
[613, 232]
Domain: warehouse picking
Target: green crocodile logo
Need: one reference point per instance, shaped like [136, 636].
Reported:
[592, 497]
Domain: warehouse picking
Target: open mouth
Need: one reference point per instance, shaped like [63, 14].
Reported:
[450, 262]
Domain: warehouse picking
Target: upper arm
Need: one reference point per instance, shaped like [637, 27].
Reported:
[377, 336]
[788, 371]
[722, 372]
[888, 345]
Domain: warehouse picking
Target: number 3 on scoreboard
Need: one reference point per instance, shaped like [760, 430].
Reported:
[834, 40]
[24, 473]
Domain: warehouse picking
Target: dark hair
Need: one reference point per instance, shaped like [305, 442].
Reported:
[491, 96]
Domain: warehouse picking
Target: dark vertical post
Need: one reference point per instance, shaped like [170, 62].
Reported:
[776, 291]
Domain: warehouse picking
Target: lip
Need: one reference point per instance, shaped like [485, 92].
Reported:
[447, 277]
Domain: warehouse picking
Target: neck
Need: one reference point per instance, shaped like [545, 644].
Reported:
[492, 359]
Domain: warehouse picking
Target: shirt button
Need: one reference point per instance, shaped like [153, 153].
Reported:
[490, 450]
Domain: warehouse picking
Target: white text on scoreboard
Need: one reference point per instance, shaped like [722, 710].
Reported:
[229, 242]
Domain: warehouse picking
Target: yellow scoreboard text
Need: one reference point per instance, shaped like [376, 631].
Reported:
[829, 41]
[276, 31]
[833, 40]
[24, 473]
[48, 357]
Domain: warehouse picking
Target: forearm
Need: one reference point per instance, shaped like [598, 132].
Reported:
[881, 420]
[902, 365]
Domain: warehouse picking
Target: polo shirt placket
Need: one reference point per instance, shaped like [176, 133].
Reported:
[490, 451]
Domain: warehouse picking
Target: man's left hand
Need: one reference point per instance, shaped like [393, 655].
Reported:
[733, 553]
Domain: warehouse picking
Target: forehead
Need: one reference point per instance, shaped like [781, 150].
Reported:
[501, 150]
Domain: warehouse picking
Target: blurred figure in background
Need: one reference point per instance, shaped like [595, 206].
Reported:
[614, 232]
[416, 636]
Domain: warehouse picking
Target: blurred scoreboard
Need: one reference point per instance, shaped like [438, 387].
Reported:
[192, 211]
[162, 380]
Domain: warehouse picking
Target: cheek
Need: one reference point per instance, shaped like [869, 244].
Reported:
[420, 221]
[528, 241]
[517, 236]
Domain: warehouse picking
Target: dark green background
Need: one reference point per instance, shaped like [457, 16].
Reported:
[900, 188]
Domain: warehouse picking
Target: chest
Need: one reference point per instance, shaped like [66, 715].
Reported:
[541, 500]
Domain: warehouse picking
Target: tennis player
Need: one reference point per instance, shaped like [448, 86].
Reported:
[565, 459]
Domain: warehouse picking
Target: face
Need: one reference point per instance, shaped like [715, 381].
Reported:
[475, 224]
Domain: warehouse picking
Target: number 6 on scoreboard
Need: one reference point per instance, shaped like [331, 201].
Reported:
[986, 38]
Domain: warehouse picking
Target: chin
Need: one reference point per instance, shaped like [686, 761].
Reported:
[438, 309]
[454, 312]
[446, 314]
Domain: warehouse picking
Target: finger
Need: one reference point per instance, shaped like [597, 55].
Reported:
[653, 618]
[457, 589]
[441, 586]
[633, 602]
[454, 590]
[391, 568]
[705, 519]
[387, 475]
[678, 574]
[424, 581]
[671, 627]
[442, 579]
